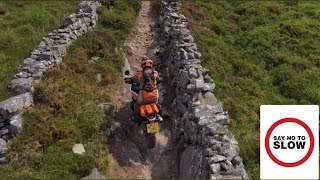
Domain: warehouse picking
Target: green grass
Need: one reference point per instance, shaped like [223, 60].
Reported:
[66, 110]
[258, 53]
[22, 26]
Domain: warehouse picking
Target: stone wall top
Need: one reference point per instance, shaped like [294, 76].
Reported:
[211, 150]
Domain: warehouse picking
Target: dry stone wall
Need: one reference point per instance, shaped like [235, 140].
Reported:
[48, 54]
[210, 149]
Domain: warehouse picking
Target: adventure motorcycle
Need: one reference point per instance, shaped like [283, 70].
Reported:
[148, 114]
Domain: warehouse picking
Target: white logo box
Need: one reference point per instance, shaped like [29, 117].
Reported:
[290, 155]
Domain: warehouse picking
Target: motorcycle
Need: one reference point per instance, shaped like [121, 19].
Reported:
[148, 114]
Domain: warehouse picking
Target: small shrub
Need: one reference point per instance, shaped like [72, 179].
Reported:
[3, 11]
[136, 5]
[98, 43]
[22, 3]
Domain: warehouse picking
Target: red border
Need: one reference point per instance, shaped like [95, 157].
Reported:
[301, 123]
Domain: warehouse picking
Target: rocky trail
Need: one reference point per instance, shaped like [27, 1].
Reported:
[129, 155]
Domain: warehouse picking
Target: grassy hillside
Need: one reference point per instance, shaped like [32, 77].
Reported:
[22, 26]
[261, 52]
[66, 110]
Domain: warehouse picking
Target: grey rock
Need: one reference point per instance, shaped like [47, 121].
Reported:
[33, 56]
[208, 152]
[197, 55]
[191, 163]
[37, 75]
[191, 56]
[207, 79]
[208, 87]
[186, 98]
[4, 131]
[193, 73]
[73, 36]
[95, 58]
[182, 17]
[78, 149]
[191, 88]
[184, 79]
[61, 49]
[1, 119]
[236, 160]
[21, 85]
[29, 61]
[98, 78]
[94, 175]
[174, 15]
[184, 54]
[208, 107]
[229, 150]
[22, 74]
[3, 146]
[3, 160]
[215, 168]
[181, 108]
[188, 38]
[212, 128]
[109, 107]
[66, 22]
[216, 158]
[14, 105]
[226, 165]
[84, 7]
[45, 57]
[222, 118]
[229, 137]
[40, 66]
[16, 124]
[87, 21]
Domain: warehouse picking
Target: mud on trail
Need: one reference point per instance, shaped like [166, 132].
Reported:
[130, 158]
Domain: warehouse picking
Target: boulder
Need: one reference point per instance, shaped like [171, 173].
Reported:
[16, 124]
[14, 105]
[78, 149]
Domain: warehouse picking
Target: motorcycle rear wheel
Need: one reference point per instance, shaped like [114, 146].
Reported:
[151, 140]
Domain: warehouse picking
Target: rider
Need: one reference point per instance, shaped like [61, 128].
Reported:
[146, 87]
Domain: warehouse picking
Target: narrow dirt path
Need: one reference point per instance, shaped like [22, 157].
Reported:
[130, 157]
